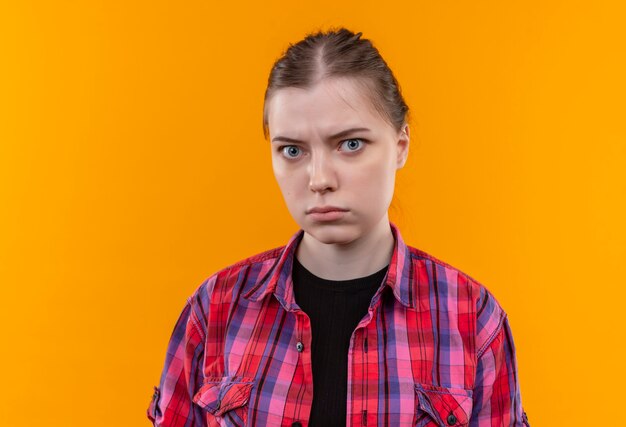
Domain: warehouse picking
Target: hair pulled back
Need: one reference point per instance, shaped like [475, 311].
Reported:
[338, 53]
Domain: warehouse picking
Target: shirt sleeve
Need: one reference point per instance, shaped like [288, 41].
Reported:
[172, 401]
[496, 395]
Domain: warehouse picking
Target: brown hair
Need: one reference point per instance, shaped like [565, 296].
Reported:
[338, 53]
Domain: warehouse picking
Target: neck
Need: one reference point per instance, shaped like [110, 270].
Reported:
[363, 256]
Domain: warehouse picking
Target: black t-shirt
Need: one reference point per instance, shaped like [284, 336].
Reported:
[335, 308]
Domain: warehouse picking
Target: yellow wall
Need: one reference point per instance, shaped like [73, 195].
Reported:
[133, 166]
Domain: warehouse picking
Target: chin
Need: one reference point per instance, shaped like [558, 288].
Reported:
[332, 233]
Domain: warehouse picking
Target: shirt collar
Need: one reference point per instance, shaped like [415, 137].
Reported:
[278, 280]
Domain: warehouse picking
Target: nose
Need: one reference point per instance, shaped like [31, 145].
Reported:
[321, 174]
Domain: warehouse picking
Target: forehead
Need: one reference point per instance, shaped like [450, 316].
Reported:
[325, 108]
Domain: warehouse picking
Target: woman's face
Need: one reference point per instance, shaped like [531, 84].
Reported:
[331, 148]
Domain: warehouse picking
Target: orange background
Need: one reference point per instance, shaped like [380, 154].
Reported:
[133, 166]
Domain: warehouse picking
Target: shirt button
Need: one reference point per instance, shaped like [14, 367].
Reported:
[451, 419]
[299, 347]
[296, 424]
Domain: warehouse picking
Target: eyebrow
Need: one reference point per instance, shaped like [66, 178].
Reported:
[334, 136]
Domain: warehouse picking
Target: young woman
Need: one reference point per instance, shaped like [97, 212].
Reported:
[345, 325]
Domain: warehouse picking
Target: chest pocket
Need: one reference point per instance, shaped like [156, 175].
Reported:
[442, 406]
[225, 399]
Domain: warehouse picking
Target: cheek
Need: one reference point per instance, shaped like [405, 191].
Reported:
[289, 183]
[373, 178]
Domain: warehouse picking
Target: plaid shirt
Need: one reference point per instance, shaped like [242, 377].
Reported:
[435, 349]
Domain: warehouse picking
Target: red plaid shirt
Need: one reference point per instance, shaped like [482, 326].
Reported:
[435, 349]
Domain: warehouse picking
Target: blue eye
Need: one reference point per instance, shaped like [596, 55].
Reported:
[353, 144]
[290, 151]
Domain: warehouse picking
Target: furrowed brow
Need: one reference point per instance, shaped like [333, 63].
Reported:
[284, 139]
[334, 136]
[348, 132]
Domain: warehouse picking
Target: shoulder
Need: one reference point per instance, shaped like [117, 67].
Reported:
[223, 284]
[469, 296]
[223, 277]
[439, 272]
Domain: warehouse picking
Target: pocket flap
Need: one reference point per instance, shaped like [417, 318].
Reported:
[447, 406]
[220, 395]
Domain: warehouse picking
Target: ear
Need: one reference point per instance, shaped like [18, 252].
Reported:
[403, 146]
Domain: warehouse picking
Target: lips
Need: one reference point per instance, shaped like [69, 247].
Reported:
[324, 209]
[327, 214]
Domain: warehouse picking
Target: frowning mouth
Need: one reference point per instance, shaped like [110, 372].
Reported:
[326, 213]
[325, 209]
